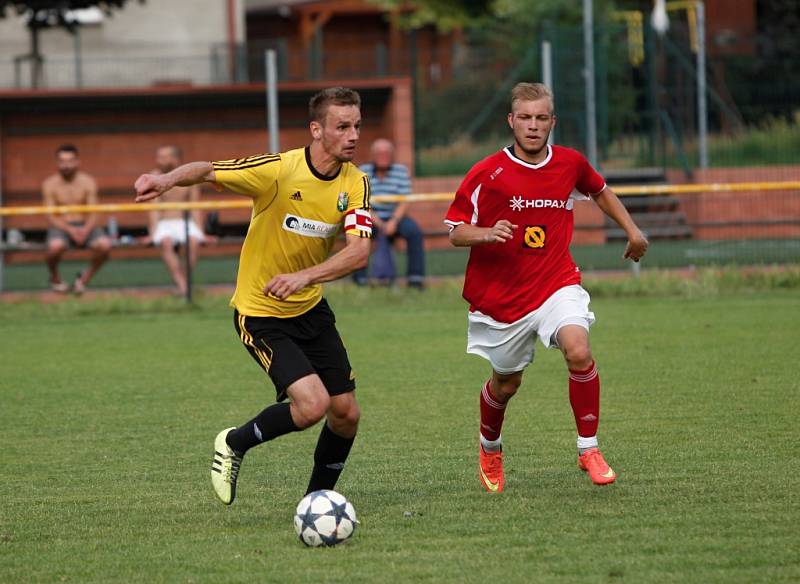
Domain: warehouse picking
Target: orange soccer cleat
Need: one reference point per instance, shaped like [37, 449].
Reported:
[490, 470]
[593, 462]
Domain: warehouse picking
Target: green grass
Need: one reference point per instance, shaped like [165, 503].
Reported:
[109, 409]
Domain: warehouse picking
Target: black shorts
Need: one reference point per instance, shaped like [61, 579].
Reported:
[291, 348]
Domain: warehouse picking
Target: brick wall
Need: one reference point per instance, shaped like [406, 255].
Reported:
[117, 133]
[749, 214]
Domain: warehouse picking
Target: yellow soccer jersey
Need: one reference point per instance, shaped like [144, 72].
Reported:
[297, 214]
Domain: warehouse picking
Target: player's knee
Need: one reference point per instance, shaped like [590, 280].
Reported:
[350, 417]
[103, 246]
[311, 409]
[506, 388]
[56, 246]
[344, 422]
[578, 357]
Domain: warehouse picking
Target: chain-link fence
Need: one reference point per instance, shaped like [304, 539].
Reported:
[648, 130]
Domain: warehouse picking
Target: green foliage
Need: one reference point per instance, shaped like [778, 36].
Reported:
[774, 141]
[46, 13]
[522, 14]
[457, 157]
[445, 15]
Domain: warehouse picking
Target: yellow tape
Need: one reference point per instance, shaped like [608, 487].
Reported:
[417, 198]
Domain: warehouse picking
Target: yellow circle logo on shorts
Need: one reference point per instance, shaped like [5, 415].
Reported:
[534, 236]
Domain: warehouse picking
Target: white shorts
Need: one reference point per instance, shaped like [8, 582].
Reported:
[509, 347]
[176, 231]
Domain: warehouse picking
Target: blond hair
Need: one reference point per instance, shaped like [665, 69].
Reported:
[532, 92]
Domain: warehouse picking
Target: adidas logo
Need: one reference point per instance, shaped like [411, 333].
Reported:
[296, 196]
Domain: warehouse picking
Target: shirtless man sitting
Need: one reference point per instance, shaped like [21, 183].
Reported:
[72, 186]
[167, 229]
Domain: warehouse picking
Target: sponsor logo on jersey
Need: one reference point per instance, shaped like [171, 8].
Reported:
[496, 172]
[296, 196]
[519, 203]
[534, 236]
[341, 202]
[309, 227]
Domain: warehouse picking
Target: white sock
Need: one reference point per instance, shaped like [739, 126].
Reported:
[585, 443]
[492, 445]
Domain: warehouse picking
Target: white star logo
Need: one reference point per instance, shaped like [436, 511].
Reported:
[516, 203]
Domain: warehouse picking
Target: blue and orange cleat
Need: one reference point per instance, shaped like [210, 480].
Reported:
[593, 462]
[490, 470]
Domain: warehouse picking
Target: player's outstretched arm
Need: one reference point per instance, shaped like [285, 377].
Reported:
[150, 186]
[610, 204]
[354, 256]
[465, 235]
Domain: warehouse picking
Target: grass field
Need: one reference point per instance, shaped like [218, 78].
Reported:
[109, 411]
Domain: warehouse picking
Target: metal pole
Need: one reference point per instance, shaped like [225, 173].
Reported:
[271, 77]
[702, 110]
[636, 269]
[76, 37]
[2, 254]
[188, 252]
[547, 73]
[588, 58]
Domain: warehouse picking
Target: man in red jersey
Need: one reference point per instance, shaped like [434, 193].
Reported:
[514, 209]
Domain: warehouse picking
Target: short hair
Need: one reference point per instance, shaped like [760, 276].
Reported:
[531, 92]
[319, 103]
[67, 148]
[176, 150]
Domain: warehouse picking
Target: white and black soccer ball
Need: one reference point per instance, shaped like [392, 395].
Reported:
[324, 518]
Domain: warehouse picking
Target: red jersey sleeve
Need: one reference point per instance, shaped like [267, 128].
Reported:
[589, 180]
[462, 209]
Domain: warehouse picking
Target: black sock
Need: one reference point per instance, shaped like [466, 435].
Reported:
[329, 459]
[274, 421]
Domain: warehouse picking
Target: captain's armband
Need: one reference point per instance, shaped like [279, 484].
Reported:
[357, 222]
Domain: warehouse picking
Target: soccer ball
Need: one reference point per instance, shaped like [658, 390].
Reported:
[324, 518]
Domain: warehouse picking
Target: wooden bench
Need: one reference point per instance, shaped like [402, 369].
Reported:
[658, 216]
[229, 225]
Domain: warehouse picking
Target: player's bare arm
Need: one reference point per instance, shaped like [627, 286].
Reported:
[150, 186]
[390, 227]
[354, 256]
[466, 235]
[610, 204]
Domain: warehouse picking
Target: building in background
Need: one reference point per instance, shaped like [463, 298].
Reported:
[347, 39]
[214, 42]
[151, 43]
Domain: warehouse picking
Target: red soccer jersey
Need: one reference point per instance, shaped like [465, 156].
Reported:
[509, 280]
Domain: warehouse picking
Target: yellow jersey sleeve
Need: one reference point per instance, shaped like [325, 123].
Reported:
[253, 176]
[357, 219]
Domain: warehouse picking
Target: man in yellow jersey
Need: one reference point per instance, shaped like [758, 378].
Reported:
[301, 200]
